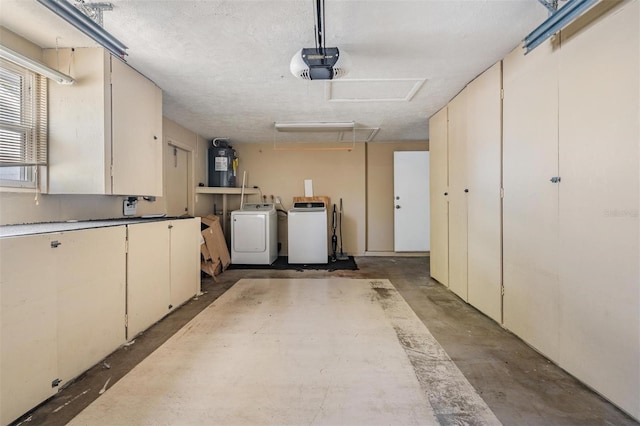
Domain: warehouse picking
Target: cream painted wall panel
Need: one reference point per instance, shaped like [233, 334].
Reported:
[336, 174]
[458, 202]
[379, 164]
[599, 160]
[531, 304]
[28, 350]
[91, 278]
[439, 199]
[484, 150]
[185, 260]
[148, 275]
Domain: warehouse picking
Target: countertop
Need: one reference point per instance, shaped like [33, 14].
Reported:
[49, 227]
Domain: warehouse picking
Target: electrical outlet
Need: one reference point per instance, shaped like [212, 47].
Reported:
[129, 206]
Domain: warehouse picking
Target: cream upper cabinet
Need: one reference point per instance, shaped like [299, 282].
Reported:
[105, 131]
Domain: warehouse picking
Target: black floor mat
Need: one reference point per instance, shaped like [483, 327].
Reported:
[281, 263]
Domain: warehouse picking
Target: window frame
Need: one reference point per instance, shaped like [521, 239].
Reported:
[33, 104]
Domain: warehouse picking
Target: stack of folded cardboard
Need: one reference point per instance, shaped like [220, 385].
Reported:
[215, 254]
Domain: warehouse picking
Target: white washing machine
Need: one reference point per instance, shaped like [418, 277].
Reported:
[308, 236]
[254, 234]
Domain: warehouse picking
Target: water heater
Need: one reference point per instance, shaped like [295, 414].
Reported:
[222, 164]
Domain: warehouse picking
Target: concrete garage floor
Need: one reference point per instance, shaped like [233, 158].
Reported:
[520, 386]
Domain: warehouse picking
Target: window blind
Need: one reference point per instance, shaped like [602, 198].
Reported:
[23, 116]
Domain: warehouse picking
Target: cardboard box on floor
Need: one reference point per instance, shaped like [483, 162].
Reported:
[214, 250]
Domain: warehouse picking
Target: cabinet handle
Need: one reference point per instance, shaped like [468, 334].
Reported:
[466, 190]
[55, 244]
[446, 193]
[55, 383]
[170, 226]
[397, 207]
[155, 138]
[555, 179]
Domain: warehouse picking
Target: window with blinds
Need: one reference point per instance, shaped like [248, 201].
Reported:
[23, 125]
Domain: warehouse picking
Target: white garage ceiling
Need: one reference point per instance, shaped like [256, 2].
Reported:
[224, 65]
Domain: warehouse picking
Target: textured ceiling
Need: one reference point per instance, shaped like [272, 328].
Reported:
[224, 65]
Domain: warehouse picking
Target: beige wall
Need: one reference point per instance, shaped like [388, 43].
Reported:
[380, 192]
[363, 178]
[335, 174]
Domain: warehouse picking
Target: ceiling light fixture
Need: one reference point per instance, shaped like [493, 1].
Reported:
[320, 62]
[319, 126]
[75, 17]
[35, 66]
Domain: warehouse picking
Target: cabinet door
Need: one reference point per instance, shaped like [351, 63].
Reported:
[484, 149]
[28, 349]
[185, 260]
[79, 123]
[457, 196]
[148, 275]
[136, 105]
[530, 206]
[90, 275]
[599, 199]
[439, 200]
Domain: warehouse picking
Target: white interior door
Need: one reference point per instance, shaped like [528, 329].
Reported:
[411, 200]
[177, 180]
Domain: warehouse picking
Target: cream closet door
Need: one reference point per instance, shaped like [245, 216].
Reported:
[439, 197]
[458, 195]
[530, 224]
[484, 144]
[599, 200]
[177, 180]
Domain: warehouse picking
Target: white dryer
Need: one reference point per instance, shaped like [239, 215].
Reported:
[308, 236]
[254, 234]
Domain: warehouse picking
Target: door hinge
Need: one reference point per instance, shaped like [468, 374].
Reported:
[126, 320]
[111, 170]
[501, 192]
[502, 290]
[501, 93]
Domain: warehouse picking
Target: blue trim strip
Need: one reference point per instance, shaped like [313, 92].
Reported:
[69, 13]
[555, 22]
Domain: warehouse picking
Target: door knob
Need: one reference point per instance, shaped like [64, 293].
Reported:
[397, 198]
[397, 207]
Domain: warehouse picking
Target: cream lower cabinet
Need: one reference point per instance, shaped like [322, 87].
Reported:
[163, 270]
[62, 311]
